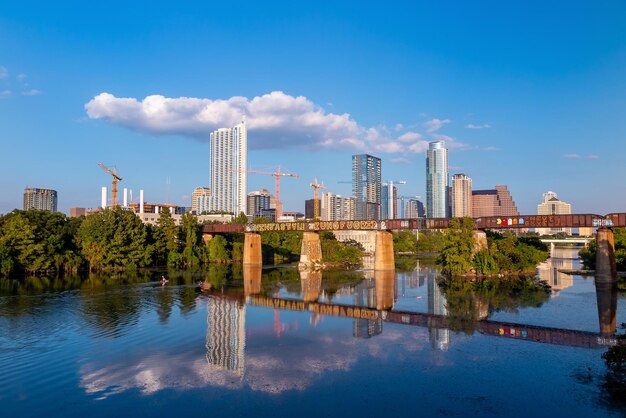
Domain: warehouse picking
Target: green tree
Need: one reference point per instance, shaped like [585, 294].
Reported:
[458, 251]
[217, 250]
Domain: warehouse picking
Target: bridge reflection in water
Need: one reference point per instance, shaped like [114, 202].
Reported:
[373, 305]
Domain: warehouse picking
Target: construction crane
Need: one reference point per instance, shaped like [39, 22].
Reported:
[116, 178]
[316, 201]
[277, 175]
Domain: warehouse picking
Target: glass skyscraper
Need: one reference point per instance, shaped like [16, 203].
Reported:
[229, 166]
[437, 203]
[366, 186]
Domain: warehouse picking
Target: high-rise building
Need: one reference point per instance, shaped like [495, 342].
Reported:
[493, 202]
[413, 209]
[257, 202]
[389, 204]
[309, 208]
[337, 208]
[551, 205]
[200, 200]
[40, 199]
[437, 180]
[229, 166]
[461, 196]
[367, 186]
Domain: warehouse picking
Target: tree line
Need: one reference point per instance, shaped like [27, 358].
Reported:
[34, 242]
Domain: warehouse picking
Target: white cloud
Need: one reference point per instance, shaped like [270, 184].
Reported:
[409, 137]
[483, 126]
[4, 73]
[21, 77]
[572, 156]
[491, 148]
[277, 119]
[434, 125]
[31, 92]
[592, 157]
[580, 157]
[6, 93]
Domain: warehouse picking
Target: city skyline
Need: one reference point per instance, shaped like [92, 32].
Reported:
[74, 92]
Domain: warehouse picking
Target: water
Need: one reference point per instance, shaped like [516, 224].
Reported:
[125, 345]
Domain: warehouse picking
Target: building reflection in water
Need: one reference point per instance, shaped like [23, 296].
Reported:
[439, 337]
[365, 296]
[226, 334]
[561, 259]
[606, 297]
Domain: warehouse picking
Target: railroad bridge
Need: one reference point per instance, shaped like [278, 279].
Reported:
[311, 253]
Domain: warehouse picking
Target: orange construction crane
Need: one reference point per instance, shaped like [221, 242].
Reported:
[316, 201]
[277, 175]
[116, 178]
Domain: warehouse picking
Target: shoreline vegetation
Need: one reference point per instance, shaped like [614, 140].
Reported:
[41, 243]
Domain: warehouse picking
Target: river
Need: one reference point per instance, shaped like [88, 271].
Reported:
[277, 343]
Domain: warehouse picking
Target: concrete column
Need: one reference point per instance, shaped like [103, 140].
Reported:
[206, 238]
[252, 279]
[480, 240]
[252, 249]
[384, 258]
[103, 198]
[311, 282]
[311, 250]
[606, 298]
[141, 201]
[384, 281]
[606, 270]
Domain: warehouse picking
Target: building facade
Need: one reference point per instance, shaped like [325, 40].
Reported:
[367, 186]
[413, 209]
[335, 207]
[40, 199]
[437, 180]
[461, 196]
[389, 204]
[551, 205]
[493, 202]
[200, 200]
[257, 202]
[228, 169]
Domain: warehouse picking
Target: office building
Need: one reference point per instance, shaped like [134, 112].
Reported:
[309, 208]
[258, 201]
[461, 196]
[551, 205]
[493, 202]
[200, 200]
[366, 186]
[40, 199]
[335, 207]
[389, 202]
[228, 169]
[413, 209]
[437, 180]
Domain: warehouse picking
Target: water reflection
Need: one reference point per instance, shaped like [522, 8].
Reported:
[606, 297]
[226, 334]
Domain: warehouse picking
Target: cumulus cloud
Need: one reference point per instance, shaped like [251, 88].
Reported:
[4, 73]
[31, 92]
[277, 119]
[434, 125]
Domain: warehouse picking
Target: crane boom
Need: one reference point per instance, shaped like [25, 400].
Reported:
[116, 178]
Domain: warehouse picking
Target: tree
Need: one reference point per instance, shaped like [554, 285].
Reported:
[217, 250]
[458, 251]
[241, 219]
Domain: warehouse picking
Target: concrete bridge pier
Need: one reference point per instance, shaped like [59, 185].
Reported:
[384, 281]
[252, 254]
[606, 270]
[311, 250]
[384, 258]
[606, 298]
[311, 282]
[252, 279]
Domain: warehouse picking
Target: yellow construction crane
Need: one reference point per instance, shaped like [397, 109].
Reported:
[116, 178]
[316, 201]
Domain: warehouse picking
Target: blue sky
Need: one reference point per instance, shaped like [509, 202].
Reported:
[527, 94]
